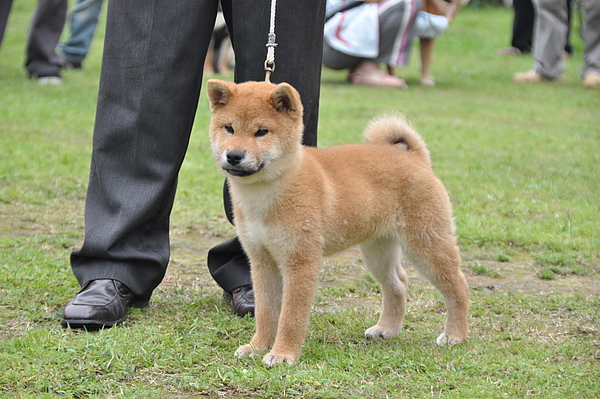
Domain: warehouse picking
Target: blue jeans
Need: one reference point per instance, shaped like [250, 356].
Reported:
[83, 21]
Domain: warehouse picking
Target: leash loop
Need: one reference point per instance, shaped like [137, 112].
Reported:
[271, 44]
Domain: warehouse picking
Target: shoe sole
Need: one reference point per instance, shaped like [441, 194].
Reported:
[90, 325]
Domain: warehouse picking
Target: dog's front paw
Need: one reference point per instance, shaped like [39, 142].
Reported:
[444, 340]
[245, 351]
[271, 359]
[377, 332]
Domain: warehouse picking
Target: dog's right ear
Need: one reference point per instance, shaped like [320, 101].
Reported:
[219, 92]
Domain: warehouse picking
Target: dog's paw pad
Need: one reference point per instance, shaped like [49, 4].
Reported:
[377, 332]
[271, 359]
[444, 340]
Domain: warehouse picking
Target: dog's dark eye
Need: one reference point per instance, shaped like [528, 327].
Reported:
[229, 129]
[261, 132]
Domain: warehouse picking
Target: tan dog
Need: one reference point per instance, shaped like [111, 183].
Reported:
[293, 205]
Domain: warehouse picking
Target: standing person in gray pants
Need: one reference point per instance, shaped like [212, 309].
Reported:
[149, 88]
[549, 43]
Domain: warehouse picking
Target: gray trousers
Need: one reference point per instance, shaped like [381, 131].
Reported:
[550, 37]
[149, 87]
[46, 27]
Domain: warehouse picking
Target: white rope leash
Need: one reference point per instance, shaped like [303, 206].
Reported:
[270, 61]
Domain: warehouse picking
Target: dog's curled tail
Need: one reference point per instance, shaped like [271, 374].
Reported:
[396, 130]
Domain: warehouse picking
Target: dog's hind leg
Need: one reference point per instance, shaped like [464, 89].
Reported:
[268, 286]
[437, 258]
[382, 257]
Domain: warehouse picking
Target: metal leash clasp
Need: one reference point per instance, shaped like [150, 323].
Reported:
[269, 68]
[270, 61]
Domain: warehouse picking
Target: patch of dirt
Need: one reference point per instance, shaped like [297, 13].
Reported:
[188, 268]
[190, 247]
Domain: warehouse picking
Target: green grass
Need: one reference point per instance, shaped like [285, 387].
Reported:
[521, 166]
[482, 270]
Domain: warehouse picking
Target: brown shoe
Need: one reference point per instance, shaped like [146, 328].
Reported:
[509, 51]
[591, 80]
[534, 77]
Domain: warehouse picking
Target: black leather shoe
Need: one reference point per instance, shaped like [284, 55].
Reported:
[242, 299]
[100, 304]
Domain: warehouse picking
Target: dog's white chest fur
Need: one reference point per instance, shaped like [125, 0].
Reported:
[257, 232]
[254, 203]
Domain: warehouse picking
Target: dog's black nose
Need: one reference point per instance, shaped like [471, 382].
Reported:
[234, 157]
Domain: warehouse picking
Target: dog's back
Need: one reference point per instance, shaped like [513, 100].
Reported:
[373, 189]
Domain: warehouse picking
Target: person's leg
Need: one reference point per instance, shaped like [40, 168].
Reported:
[568, 46]
[550, 37]
[426, 51]
[44, 33]
[149, 88]
[395, 31]
[522, 32]
[228, 263]
[396, 19]
[5, 6]
[83, 22]
[361, 71]
[298, 56]
[591, 37]
[336, 60]
[549, 42]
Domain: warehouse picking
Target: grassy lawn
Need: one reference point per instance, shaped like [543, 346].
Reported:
[521, 166]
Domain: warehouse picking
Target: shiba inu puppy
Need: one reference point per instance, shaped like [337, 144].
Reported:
[294, 205]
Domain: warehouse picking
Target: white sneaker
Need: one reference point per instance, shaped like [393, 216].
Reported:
[50, 80]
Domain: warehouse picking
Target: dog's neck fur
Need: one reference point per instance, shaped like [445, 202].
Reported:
[256, 198]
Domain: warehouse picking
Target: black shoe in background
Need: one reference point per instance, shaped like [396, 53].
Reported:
[242, 299]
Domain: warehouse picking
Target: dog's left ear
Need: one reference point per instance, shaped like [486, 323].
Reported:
[286, 99]
[219, 92]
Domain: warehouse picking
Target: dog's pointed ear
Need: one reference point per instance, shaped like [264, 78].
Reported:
[286, 99]
[219, 92]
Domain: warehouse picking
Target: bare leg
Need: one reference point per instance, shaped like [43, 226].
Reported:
[426, 56]
[368, 73]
